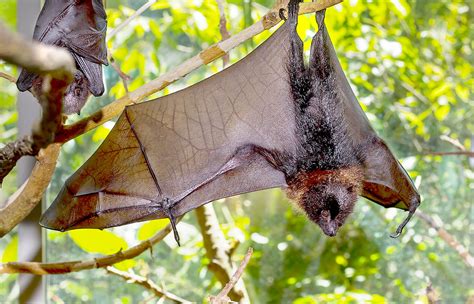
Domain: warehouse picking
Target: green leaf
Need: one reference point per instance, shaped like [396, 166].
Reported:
[98, 241]
[125, 265]
[441, 112]
[150, 228]
[11, 251]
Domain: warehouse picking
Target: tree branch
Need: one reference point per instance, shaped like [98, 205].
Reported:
[467, 258]
[127, 21]
[57, 67]
[218, 251]
[146, 283]
[210, 54]
[74, 266]
[8, 77]
[222, 298]
[223, 28]
[20, 204]
[466, 153]
[36, 57]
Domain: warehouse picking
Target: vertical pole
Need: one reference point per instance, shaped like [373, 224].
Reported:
[29, 113]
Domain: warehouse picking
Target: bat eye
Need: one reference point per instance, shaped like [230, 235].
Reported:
[77, 92]
[350, 189]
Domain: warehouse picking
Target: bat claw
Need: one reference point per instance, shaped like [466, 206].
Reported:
[167, 205]
[281, 13]
[402, 225]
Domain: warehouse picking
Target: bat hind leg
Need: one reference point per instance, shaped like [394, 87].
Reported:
[413, 206]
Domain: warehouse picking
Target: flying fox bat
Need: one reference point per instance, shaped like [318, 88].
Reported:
[79, 26]
[267, 121]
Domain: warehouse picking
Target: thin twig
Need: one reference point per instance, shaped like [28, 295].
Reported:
[453, 141]
[222, 297]
[125, 78]
[8, 77]
[210, 54]
[74, 266]
[432, 295]
[223, 28]
[466, 153]
[127, 21]
[467, 258]
[218, 251]
[146, 283]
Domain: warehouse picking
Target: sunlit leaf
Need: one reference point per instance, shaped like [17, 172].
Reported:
[98, 241]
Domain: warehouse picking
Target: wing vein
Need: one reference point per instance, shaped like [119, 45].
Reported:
[142, 149]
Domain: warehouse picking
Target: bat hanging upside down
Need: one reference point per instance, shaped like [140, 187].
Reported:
[267, 121]
[80, 27]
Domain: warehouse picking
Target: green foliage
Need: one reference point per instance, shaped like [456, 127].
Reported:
[410, 64]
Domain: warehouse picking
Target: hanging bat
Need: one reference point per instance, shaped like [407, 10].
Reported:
[79, 26]
[267, 121]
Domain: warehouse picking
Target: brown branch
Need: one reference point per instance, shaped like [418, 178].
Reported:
[50, 98]
[453, 141]
[36, 57]
[8, 77]
[210, 54]
[57, 67]
[432, 295]
[125, 78]
[467, 258]
[466, 153]
[218, 250]
[222, 297]
[223, 28]
[30, 193]
[74, 266]
[146, 283]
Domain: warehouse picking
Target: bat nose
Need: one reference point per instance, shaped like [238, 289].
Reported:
[331, 231]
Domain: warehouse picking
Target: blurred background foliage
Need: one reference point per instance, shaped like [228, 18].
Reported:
[410, 64]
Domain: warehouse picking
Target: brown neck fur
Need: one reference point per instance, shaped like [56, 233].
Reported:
[351, 177]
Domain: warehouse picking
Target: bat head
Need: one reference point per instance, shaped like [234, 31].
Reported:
[76, 94]
[329, 205]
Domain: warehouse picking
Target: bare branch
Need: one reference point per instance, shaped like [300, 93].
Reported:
[432, 295]
[210, 54]
[467, 258]
[125, 78]
[29, 194]
[36, 57]
[222, 297]
[453, 141]
[8, 77]
[137, 13]
[223, 28]
[74, 266]
[57, 67]
[466, 153]
[218, 250]
[147, 284]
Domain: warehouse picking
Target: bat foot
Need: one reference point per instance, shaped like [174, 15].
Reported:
[402, 225]
[281, 13]
[167, 205]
